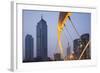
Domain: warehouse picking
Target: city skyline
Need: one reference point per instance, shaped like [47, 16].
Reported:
[31, 18]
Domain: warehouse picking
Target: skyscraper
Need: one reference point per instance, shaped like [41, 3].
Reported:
[76, 45]
[68, 49]
[85, 39]
[29, 47]
[41, 36]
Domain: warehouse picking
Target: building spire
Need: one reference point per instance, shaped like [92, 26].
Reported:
[68, 43]
[41, 16]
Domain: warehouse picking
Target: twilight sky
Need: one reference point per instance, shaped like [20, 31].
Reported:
[82, 22]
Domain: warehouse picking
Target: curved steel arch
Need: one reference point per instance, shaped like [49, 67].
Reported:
[63, 17]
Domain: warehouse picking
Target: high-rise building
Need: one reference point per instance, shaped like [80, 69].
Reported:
[76, 45]
[85, 39]
[80, 44]
[41, 39]
[29, 47]
[68, 49]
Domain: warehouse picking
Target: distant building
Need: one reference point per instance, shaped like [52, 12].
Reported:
[68, 49]
[71, 56]
[41, 39]
[85, 39]
[29, 48]
[57, 56]
[76, 45]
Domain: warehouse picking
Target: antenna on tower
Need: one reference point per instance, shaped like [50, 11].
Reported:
[41, 16]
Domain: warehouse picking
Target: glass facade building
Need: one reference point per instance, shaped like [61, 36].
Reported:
[29, 47]
[41, 39]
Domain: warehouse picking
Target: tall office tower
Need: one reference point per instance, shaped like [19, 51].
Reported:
[76, 45]
[41, 42]
[29, 47]
[85, 39]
